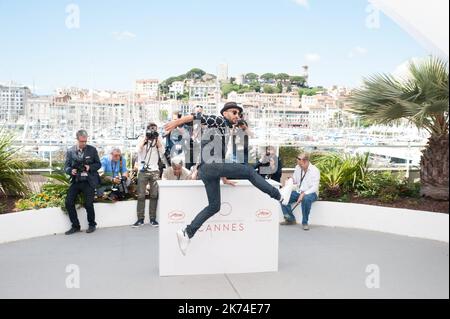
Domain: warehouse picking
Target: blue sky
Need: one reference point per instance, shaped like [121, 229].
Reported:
[120, 41]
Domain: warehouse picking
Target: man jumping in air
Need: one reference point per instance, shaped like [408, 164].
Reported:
[213, 166]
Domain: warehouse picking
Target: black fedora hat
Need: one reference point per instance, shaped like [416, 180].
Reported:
[231, 105]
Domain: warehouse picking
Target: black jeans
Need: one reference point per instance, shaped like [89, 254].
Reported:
[89, 192]
[210, 174]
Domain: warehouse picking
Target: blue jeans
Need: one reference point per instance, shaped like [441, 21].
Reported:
[210, 174]
[305, 204]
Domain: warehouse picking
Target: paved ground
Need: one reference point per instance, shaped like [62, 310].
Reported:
[322, 263]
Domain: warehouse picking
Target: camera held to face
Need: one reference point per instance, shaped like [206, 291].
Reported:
[151, 134]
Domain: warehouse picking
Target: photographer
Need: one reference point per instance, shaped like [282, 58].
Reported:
[82, 164]
[150, 153]
[242, 134]
[270, 165]
[176, 141]
[177, 171]
[115, 171]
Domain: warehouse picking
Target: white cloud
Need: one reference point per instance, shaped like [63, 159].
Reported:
[402, 72]
[312, 57]
[357, 51]
[123, 35]
[303, 3]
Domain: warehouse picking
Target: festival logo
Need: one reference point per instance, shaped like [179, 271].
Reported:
[176, 216]
[225, 209]
[263, 214]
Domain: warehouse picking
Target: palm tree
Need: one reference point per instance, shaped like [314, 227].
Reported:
[12, 177]
[422, 99]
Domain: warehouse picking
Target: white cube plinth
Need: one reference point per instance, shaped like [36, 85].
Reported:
[241, 238]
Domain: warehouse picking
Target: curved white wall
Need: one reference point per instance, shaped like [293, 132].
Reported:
[50, 221]
[398, 221]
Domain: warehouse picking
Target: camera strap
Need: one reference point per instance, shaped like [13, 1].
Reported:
[120, 167]
[149, 147]
[114, 166]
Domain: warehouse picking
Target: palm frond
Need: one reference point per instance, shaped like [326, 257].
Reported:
[422, 98]
[12, 176]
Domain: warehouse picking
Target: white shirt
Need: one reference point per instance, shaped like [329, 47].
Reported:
[169, 175]
[149, 155]
[307, 182]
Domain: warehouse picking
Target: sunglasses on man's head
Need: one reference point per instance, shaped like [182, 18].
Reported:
[235, 112]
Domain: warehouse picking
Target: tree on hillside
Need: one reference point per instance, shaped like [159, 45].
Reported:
[250, 77]
[297, 80]
[283, 77]
[195, 74]
[268, 77]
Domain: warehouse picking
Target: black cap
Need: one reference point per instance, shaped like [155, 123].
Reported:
[231, 105]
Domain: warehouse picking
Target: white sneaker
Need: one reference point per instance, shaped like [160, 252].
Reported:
[183, 240]
[286, 191]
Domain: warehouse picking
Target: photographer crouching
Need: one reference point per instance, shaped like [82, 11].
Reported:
[115, 173]
[150, 154]
[82, 164]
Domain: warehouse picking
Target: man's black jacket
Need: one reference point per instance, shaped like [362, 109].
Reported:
[90, 158]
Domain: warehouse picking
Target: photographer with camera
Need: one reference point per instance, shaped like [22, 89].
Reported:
[150, 153]
[242, 135]
[177, 171]
[175, 144]
[270, 165]
[82, 163]
[115, 171]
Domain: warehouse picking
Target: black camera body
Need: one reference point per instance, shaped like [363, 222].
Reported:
[151, 134]
[80, 166]
[122, 186]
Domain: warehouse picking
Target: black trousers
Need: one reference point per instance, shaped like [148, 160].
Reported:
[89, 192]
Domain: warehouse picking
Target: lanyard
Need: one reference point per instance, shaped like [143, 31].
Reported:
[147, 148]
[113, 167]
[302, 177]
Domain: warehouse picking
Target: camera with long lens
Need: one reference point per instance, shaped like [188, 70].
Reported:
[151, 134]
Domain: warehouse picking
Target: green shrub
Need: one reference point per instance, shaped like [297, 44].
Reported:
[2, 208]
[340, 174]
[24, 204]
[389, 194]
[12, 176]
[408, 189]
[382, 185]
[288, 154]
